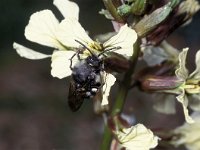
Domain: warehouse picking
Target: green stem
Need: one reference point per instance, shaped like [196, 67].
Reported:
[126, 82]
[112, 9]
[121, 96]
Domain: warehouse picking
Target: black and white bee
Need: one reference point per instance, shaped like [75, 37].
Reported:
[87, 77]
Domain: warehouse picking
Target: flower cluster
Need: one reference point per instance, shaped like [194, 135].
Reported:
[65, 36]
[183, 84]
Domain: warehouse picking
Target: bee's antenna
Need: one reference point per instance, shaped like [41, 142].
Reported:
[84, 47]
[115, 48]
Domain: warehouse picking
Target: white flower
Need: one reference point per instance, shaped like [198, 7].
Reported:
[43, 28]
[137, 137]
[190, 84]
[189, 134]
[66, 37]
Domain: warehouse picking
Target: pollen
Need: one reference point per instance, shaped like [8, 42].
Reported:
[95, 46]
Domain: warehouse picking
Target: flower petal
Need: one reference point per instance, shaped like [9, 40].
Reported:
[182, 71]
[67, 8]
[125, 39]
[70, 30]
[41, 29]
[196, 73]
[28, 53]
[154, 55]
[182, 98]
[137, 137]
[188, 134]
[109, 82]
[61, 63]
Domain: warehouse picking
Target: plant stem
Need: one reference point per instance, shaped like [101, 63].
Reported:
[122, 94]
[112, 9]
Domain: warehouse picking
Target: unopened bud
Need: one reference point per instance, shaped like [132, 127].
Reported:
[160, 83]
[151, 21]
[136, 8]
[139, 7]
[181, 15]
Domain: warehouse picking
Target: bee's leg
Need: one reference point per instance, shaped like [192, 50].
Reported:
[71, 60]
[78, 55]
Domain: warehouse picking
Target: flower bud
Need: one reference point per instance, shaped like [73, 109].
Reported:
[139, 7]
[124, 10]
[181, 15]
[159, 83]
[136, 8]
[151, 21]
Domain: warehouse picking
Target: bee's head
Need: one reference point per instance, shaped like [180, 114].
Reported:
[94, 61]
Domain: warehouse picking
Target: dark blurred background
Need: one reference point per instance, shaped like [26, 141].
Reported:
[33, 105]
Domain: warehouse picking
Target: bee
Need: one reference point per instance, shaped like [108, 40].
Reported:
[87, 77]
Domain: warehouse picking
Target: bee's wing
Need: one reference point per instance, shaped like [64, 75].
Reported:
[75, 99]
